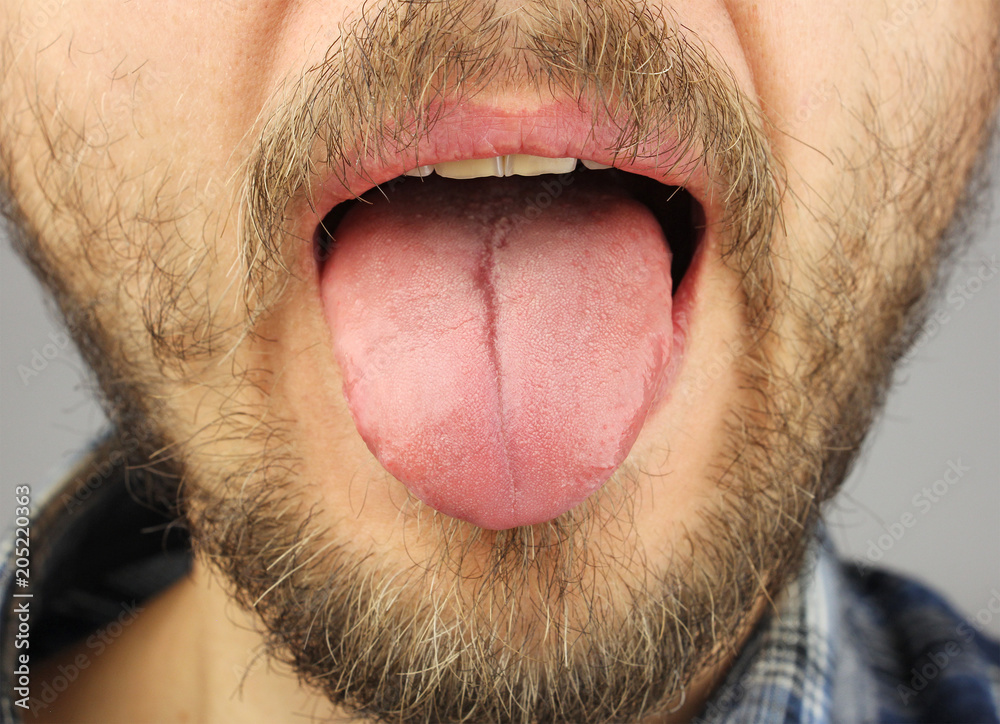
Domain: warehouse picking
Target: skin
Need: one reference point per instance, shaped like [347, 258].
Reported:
[151, 106]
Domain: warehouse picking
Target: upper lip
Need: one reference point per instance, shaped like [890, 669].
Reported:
[469, 131]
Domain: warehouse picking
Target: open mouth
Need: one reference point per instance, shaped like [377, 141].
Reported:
[672, 206]
[504, 326]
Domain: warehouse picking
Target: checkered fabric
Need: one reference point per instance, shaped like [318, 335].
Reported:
[854, 645]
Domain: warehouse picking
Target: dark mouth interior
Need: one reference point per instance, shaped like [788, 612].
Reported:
[680, 216]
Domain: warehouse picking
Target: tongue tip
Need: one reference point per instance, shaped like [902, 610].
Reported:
[499, 520]
[483, 512]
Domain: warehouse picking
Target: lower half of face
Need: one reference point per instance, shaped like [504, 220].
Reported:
[543, 430]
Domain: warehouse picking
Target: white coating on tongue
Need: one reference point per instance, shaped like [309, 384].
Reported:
[498, 357]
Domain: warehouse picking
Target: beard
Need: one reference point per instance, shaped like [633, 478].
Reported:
[577, 619]
[567, 620]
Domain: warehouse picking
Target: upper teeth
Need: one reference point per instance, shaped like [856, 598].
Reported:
[513, 165]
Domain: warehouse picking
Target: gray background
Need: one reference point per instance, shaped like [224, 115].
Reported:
[945, 408]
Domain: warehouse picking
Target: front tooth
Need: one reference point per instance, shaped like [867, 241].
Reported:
[419, 171]
[524, 165]
[472, 168]
[595, 166]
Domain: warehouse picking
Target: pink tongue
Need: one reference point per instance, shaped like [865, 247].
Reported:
[500, 349]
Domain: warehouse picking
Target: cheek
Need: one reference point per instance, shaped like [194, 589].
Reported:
[305, 402]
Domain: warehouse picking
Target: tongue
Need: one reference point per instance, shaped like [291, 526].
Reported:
[501, 340]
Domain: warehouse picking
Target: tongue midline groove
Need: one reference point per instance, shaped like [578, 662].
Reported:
[680, 216]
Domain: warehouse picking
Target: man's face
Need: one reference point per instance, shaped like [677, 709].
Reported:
[531, 447]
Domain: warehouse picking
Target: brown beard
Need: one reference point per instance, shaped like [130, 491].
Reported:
[542, 623]
[538, 623]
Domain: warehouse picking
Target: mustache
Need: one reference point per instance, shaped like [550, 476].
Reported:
[380, 87]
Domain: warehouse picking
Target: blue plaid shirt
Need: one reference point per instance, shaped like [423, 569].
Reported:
[844, 644]
[849, 644]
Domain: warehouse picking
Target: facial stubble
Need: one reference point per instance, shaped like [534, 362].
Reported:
[547, 623]
[565, 621]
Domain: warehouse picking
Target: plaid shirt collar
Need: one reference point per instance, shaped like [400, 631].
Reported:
[850, 644]
[786, 672]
